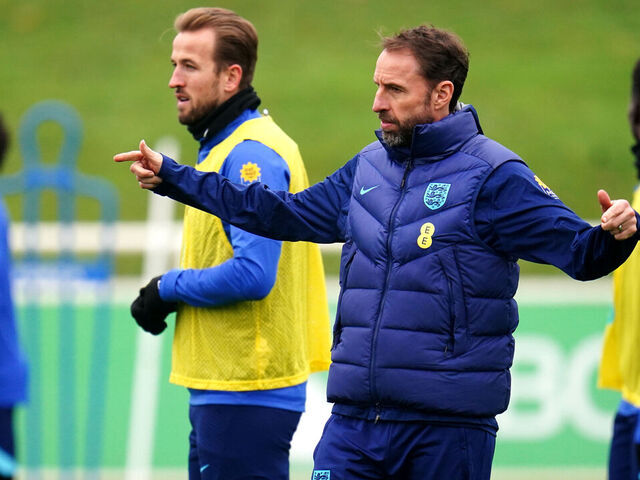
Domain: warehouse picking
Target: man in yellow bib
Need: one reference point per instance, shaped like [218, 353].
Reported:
[252, 318]
[620, 365]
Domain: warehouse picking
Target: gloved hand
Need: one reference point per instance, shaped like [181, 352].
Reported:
[149, 310]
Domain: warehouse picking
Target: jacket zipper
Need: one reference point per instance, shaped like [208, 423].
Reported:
[374, 339]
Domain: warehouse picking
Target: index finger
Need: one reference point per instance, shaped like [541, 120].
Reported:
[131, 156]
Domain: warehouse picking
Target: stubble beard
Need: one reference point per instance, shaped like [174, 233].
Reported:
[404, 135]
[195, 114]
[401, 138]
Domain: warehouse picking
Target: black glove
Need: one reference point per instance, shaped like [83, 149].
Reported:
[149, 310]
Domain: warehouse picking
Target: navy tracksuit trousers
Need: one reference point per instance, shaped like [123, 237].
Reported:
[355, 449]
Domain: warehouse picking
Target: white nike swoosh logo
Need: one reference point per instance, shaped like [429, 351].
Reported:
[202, 469]
[367, 190]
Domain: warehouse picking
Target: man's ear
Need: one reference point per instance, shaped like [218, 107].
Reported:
[232, 78]
[441, 96]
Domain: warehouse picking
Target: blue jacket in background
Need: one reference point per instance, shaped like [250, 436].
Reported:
[13, 367]
[428, 273]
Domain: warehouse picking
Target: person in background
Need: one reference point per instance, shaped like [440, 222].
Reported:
[434, 216]
[13, 366]
[252, 316]
[620, 363]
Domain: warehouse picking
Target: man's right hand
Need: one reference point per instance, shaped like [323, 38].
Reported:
[149, 310]
[146, 165]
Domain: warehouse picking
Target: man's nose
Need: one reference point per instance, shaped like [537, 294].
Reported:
[176, 79]
[379, 103]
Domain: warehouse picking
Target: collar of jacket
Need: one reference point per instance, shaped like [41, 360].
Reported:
[219, 117]
[434, 141]
[206, 144]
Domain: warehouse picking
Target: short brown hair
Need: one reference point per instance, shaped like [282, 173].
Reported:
[440, 54]
[236, 37]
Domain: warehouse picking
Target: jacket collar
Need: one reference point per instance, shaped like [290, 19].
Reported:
[434, 141]
[217, 118]
[207, 143]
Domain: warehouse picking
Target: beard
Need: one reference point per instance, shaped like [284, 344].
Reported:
[401, 138]
[404, 135]
[196, 114]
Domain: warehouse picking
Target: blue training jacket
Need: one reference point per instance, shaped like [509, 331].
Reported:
[428, 272]
[13, 365]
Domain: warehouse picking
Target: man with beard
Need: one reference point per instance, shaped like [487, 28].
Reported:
[252, 317]
[434, 216]
[620, 364]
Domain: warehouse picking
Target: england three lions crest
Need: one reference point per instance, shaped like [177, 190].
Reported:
[436, 195]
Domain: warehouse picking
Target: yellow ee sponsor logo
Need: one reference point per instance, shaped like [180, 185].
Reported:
[426, 233]
[250, 172]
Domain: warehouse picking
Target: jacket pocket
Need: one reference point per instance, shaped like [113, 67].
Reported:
[348, 254]
[457, 342]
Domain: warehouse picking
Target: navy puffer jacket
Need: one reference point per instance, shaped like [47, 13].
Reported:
[426, 312]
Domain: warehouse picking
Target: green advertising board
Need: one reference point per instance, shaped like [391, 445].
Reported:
[557, 417]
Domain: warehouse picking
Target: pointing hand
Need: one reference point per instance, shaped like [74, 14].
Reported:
[146, 165]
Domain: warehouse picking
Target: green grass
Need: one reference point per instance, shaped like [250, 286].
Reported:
[550, 80]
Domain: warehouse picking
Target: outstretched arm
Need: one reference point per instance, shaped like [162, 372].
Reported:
[519, 216]
[316, 214]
